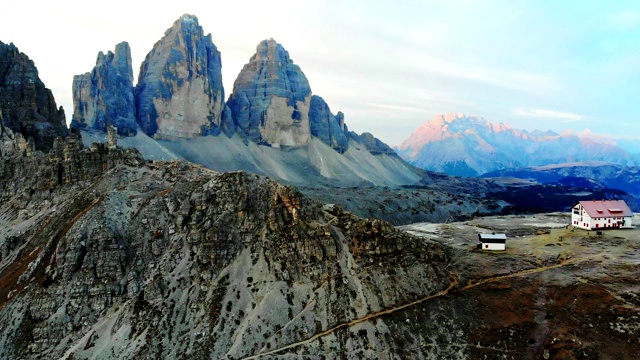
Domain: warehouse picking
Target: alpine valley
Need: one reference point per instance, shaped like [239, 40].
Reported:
[175, 221]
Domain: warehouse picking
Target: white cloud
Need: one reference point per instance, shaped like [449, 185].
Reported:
[548, 114]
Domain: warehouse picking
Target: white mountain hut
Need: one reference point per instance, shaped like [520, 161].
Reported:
[601, 214]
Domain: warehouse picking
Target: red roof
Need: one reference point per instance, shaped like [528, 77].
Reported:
[606, 208]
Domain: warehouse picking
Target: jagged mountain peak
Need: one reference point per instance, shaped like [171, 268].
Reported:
[470, 145]
[27, 106]
[120, 56]
[271, 98]
[454, 125]
[186, 22]
[271, 50]
[104, 96]
[188, 18]
[179, 92]
[179, 96]
[449, 117]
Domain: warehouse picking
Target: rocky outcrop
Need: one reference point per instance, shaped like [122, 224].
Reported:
[179, 92]
[68, 162]
[13, 144]
[327, 127]
[374, 145]
[27, 106]
[104, 97]
[271, 98]
[171, 260]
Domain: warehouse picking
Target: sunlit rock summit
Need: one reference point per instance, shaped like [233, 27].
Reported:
[104, 96]
[271, 98]
[179, 92]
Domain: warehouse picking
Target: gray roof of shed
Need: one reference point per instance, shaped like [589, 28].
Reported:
[493, 238]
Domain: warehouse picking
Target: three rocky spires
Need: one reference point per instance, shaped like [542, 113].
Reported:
[179, 94]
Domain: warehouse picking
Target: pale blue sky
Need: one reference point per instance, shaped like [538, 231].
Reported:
[389, 66]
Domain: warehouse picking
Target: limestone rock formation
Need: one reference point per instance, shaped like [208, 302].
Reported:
[67, 162]
[27, 106]
[271, 98]
[12, 144]
[170, 260]
[104, 97]
[179, 92]
[327, 127]
[374, 145]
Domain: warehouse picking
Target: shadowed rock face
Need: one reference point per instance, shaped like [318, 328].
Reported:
[327, 127]
[372, 143]
[271, 98]
[27, 106]
[104, 96]
[179, 92]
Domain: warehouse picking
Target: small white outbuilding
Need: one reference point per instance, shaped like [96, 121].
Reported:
[492, 241]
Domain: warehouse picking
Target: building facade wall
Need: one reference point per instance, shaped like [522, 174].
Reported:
[491, 246]
[581, 219]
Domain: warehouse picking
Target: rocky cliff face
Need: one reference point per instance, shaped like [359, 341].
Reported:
[104, 97]
[27, 106]
[68, 162]
[374, 145]
[179, 92]
[469, 146]
[271, 98]
[171, 260]
[14, 144]
[329, 128]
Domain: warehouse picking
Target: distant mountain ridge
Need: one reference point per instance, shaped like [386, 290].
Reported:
[626, 178]
[462, 145]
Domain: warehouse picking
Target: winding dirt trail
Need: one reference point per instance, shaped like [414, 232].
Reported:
[522, 273]
[450, 288]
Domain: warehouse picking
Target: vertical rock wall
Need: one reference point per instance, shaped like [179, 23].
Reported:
[27, 106]
[327, 127]
[271, 98]
[104, 97]
[179, 92]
